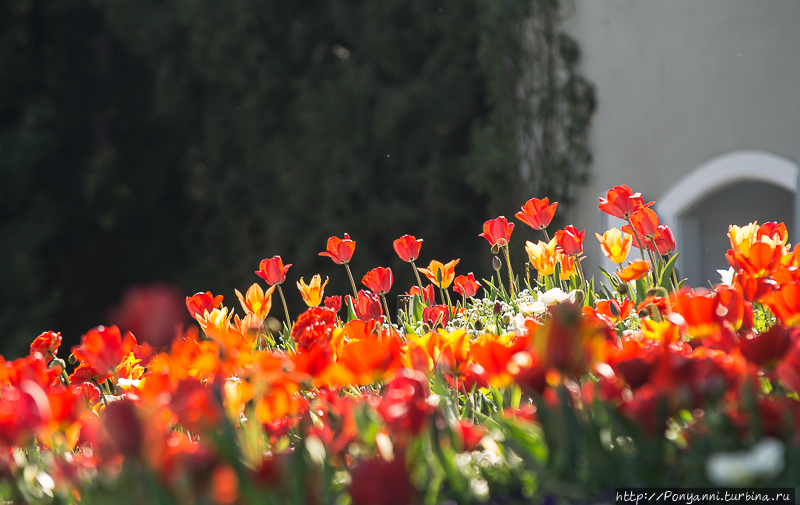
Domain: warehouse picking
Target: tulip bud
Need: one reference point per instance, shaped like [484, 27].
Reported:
[614, 308]
[506, 320]
[652, 292]
[580, 296]
[478, 325]
[496, 248]
[498, 308]
[622, 288]
[426, 328]
[496, 263]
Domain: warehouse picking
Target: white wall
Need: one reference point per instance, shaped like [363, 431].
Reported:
[679, 83]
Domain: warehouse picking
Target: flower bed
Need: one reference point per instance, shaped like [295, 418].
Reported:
[547, 387]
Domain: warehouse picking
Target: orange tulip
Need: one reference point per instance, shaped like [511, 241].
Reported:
[537, 213]
[621, 202]
[256, 302]
[466, 285]
[568, 266]
[340, 250]
[742, 237]
[437, 269]
[785, 303]
[312, 293]
[615, 245]
[103, 348]
[635, 271]
[645, 222]
[543, 256]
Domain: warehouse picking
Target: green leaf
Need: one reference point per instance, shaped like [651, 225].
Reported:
[351, 313]
[666, 272]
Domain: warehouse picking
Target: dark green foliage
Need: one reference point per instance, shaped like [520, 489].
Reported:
[187, 140]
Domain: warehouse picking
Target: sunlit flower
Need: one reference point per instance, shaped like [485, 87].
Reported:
[427, 293]
[407, 247]
[466, 285]
[543, 256]
[664, 240]
[742, 237]
[313, 291]
[570, 240]
[340, 250]
[436, 269]
[537, 213]
[615, 245]
[201, 303]
[497, 231]
[645, 222]
[378, 280]
[567, 264]
[635, 271]
[256, 302]
[621, 202]
[273, 270]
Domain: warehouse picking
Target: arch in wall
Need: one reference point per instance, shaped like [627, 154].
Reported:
[726, 170]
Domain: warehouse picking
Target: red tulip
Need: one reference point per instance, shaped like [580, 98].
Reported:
[570, 240]
[368, 306]
[403, 403]
[104, 348]
[497, 230]
[537, 213]
[340, 250]
[436, 313]
[47, 342]
[768, 348]
[426, 295]
[664, 239]
[273, 270]
[466, 285]
[151, 312]
[333, 302]
[313, 328]
[407, 247]
[378, 280]
[201, 303]
[621, 202]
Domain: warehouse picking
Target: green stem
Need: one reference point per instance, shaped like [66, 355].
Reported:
[386, 306]
[449, 303]
[352, 282]
[419, 282]
[546, 236]
[511, 285]
[285, 308]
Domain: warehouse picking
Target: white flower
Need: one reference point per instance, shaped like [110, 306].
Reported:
[765, 459]
[532, 308]
[557, 295]
[726, 276]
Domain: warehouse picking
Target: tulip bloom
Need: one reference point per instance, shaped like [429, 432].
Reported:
[543, 256]
[378, 280]
[367, 306]
[201, 303]
[537, 213]
[621, 202]
[615, 245]
[497, 231]
[635, 271]
[104, 348]
[466, 285]
[312, 293]
[742, 238]
[256, 301]
[768, 348]
[568, 265]
[570, 240]
[333, 302]
[340, 250]
[436, 313]
[664, 241]
[435, 269]
[785, 303]
[273, 270]
[645, 221]
[426, 294]
[407, 247]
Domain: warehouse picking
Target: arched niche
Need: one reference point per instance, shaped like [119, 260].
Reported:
[735, 188]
